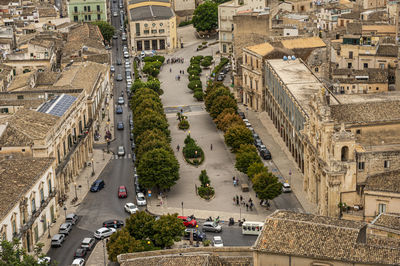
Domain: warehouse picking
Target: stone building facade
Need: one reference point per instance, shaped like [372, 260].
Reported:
[348, 138]
[29, 208]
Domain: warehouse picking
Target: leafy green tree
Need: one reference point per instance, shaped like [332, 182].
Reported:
[158, 168]
[106, 29]
[195, 84]
[221, 103]
[205, 16]
[226, 119]
[256, 168]
[155, 85]
[152, 68]
[267, 186]
[140, 225]
[151, 145]
[246, 157]
[237, 135]
[150, 135]
[151, 121]
[198, 94]
[11, 253]
[167, 230]
[148, 106]
[137, 100]
[212, 94]
[137, 84]
[205, 63]
[122, 242]
[204, 179]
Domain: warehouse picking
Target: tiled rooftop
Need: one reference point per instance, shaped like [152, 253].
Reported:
[312, 236]
[25, 126]
[17, 176]
[390, 221]
[385, 182]
[299, 43]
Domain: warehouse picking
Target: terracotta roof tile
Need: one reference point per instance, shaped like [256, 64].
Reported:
[318, 237]
[390, 221]
[387, 182]
[17, 176]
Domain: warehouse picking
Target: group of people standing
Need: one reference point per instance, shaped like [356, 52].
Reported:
[239, 200]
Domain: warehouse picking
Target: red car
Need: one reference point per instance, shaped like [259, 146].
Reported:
[122, 193]
[187, 221]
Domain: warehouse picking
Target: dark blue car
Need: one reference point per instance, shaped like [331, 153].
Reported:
[97, 186]
[119, 110]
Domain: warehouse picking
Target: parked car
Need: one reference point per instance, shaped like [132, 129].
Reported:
[127, 64]
[71, 218]
[247, 124]
[119, 110]
[115, 36]
[122, 192]
[131, 137]
[115, 14]
[120, 125]
[113, 223]
[187, 221]
[121, 151]
[44, 261]
[197, 235]
[133, 145]
[258, 143]
[97, 186]
[138, 187]
[131, 208]
[241, 114]
[65, 228]
[261, 148]
[265, 154]
[256, 136]
[88, 243]
[57, 240]
[140, 199]
[80, 253]
[217, 241]
[126, 55]
[121, 100]
[220, 78]
[128, 84]
[133, 157]
[286, 187]
[104, 232]
[119, 62]
[78, 262]
[211, 226]
[119, 77]
[112, 68]
[123, 37]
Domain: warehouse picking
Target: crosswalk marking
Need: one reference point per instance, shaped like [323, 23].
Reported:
[126, 156]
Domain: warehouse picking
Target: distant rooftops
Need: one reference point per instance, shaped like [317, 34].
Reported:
[131, 2]
[151, 13]
[57, 106]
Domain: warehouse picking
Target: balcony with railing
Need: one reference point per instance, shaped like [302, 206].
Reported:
[35, 214]
[72, 149]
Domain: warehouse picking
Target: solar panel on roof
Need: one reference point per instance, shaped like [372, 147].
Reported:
[58, 106]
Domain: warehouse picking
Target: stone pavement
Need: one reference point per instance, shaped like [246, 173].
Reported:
[106, 120]
[98, 255]
[219, 162]
[281, 156]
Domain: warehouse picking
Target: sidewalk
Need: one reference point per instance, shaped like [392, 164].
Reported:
[106, 121]
[281, 156]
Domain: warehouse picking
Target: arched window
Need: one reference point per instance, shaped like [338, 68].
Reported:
[345, 154]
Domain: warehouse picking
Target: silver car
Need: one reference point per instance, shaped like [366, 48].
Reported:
[121, 151]
[286, 187]
[121, 100]
[210, 226]
[119, 77]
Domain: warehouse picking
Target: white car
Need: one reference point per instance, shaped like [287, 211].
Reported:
[78, 262]
[44, 260]
[286, 187]
[131, 208]
[217, 241]
[140, 199]
[104, 232]
[115, 14]
[121, 151]
[121, 100]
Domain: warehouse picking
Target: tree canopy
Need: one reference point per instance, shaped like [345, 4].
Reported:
[246, 157]
[226, 119]
[143, 233]
[151, 134]
[106, 29]
[11, 253]
[151, 120]
[212, 94]
[205, 16]
[237, 135]
[221, 103]
[267, 186]
[256, 168]
[158, 168]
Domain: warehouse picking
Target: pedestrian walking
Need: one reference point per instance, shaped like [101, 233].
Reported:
[211, 147]
[250, 200]
[241, 198]
[177, 147]
[261, 202]
[247, 207]
[237, 200]
[234, 183]
[251, 206]
[183, 72]
[234, 200]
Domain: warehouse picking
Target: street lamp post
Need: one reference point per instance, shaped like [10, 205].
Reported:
[93, 173]
[48, 229]
[76, 193]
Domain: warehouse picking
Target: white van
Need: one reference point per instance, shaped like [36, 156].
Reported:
[252, 228]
